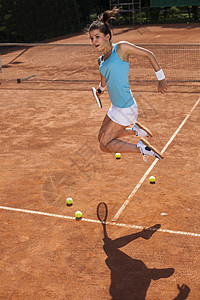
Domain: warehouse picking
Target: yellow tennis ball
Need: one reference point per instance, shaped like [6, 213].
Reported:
[78, 214]
[118, 155]
[152, 179]
[69, 201]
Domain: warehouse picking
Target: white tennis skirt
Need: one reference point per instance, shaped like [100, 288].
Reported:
[123, 116]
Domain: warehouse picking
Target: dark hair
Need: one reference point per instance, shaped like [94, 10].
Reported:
[102, 22]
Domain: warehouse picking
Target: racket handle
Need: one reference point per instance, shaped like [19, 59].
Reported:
[99, 91]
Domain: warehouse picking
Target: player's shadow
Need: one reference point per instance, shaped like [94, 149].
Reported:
[130, 278]
[184, 291]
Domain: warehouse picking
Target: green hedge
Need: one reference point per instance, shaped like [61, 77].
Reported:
[34, 20]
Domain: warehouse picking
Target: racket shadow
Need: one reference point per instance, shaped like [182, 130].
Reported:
[130, 278]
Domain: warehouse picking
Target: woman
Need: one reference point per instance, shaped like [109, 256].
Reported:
[114, 68]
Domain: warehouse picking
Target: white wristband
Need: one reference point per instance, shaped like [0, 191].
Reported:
[160, 75]
[102, 88]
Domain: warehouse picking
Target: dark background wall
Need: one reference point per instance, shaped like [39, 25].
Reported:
[34, 20]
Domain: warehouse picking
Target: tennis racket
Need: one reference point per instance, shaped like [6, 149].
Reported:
[102, 212]
[98, 101]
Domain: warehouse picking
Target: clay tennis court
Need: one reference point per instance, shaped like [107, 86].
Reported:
[49, 151]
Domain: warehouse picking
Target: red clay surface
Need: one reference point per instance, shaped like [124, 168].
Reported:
[49, 151]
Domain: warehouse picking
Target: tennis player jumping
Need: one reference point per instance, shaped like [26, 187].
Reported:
[114, 69]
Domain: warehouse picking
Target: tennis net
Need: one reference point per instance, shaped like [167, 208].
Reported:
[72, 63]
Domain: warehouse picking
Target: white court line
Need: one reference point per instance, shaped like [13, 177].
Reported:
[152, 165]
[33, 212]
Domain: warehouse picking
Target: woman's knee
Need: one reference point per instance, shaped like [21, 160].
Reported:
[102, 144]
[102, 148]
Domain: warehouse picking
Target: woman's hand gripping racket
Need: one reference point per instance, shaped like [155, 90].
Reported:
[98, 101]
[102, 213]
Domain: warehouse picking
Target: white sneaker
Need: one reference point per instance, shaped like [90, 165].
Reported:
[148, 150]
[141, 130]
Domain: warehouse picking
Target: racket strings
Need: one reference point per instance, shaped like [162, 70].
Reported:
[102, 212]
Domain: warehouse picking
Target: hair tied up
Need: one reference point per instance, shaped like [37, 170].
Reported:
[108, 15]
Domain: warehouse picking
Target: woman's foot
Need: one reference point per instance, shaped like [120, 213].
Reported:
[148, 150]
[141, 130]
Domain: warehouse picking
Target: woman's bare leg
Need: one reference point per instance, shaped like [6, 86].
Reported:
[108, 137]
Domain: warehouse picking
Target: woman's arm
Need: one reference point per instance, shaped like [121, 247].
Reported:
[126, 49]
[102, 82]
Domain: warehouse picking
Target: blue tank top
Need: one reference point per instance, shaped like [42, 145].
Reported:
[115, 70]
